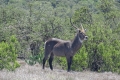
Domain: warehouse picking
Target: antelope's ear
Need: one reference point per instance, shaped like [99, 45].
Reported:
[82, 29]
[79, 31]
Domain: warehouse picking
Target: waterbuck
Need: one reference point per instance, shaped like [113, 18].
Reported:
[63, 48]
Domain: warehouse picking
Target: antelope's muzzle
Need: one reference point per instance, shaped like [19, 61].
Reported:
[86, 37]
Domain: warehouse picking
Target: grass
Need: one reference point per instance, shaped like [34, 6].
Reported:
[27, 72]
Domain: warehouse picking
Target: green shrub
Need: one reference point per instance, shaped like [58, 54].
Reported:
[8, 52]
[110, 58]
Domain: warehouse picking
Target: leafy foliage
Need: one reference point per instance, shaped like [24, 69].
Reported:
[8, 54]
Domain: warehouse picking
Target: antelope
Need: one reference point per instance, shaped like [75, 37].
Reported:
[64, 48]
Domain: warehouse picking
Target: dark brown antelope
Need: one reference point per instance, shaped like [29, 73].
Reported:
[63, 48]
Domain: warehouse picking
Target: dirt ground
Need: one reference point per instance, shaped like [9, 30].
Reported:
[27, 72]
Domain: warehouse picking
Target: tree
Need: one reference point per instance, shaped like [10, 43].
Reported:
[110, 12]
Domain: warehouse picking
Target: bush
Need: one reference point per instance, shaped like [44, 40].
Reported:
[8, 52]
[103, 49]
[110, 58]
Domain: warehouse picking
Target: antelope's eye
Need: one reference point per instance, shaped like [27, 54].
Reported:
[82, 33]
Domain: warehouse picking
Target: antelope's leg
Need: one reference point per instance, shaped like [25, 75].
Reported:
[50, 61]
[44, 60]
[69, 62]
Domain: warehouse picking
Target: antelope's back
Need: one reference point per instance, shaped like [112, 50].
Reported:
[50, 43]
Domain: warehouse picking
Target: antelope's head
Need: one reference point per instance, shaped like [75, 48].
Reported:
[80, 32]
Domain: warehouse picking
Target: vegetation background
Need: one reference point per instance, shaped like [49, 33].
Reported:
[26, 24]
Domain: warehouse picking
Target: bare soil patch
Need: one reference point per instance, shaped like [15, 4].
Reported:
[27, 72]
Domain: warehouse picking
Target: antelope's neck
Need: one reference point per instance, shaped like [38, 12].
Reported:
[76, 44]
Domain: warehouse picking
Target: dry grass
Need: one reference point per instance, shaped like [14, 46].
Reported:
[26, 72]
